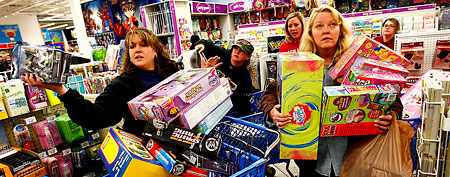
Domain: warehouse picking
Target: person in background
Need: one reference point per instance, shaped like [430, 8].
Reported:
[146, 63]
[328, 37]
[295, 23]
[194, 39]
[390, 27]
[234, 64]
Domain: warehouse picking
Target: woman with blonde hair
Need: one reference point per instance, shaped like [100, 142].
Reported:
[327, 36]
[293, 28]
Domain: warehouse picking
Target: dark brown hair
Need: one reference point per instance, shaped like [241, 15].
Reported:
[395, 22]
[162, 60]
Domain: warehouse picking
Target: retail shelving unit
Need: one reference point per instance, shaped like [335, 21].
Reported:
[212, 10]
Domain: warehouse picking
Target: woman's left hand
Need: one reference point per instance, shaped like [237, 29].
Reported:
[212, 62]
[385, 122]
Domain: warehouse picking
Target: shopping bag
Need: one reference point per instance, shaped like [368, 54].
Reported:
[384, 155]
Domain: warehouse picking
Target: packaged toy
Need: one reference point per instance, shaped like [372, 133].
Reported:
[37, 99]
[69, 130]
[363, 77]
[414, 52]
[368, 48]
[442, 59]
[44, 135]
[378, 66]
[14, 97]
[207, 124]
[352, 110]
[300, 82]
[3, 113]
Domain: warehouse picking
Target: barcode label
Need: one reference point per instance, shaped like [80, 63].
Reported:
[30, 120]
[85, 144]
[391, 97]
[51, 118]
[66, 152]
[42, 155]
[52, 151]
[95, 135]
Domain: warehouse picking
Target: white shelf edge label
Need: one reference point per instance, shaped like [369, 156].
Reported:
[95, 135]
[51, 118]
[85, 144]
[42, 155]
[30, 120]
[446, 126]
[52, 151]
[66, 152]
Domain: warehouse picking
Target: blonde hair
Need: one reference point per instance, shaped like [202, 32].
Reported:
[307, 43]
[300, 17]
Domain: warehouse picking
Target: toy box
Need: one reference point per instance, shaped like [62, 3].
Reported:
[37, 99]
[414, 52]
[207, 124]
[379, 66]
[300, 82]
[52, 97]
[368, 48]
[3, 113]
[14, 98]
[124, 155]
[343, 107]
[442, 59]
[190, 94]
[363, 77]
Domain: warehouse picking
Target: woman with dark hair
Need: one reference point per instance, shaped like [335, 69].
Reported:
[146, 63]
[293, 28]
[390, 27]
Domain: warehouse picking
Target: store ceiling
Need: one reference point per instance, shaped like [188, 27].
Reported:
[52, 14]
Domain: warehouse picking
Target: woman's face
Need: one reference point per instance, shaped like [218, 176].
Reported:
[295, 28]
[389, 28]
[325, 31]
[141, 54]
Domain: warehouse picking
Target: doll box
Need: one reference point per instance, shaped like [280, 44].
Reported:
[123, 154]
[341, 104]
[363, 77]
[174, 95]
[37, 98]
[300, 82]
[379, 66]
[368, 48]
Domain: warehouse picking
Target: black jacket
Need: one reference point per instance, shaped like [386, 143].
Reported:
[110, 106]
[239, 75]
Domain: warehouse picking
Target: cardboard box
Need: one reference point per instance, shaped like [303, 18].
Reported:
[124, 155]
[379, 66]
[37, 98]
[3, 113]
[14, 98]
[363, 77]
[368, 48]
[207, 124]
[300, 81]
[174, 95]
[341, 104]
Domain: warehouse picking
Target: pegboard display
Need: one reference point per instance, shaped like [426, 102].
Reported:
[429, 43]
[40, 115]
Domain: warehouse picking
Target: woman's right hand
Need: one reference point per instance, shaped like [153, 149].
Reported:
[32, 80]
[279, 119]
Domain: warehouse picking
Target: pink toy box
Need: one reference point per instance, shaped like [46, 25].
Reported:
[379, 66]
[368, 48]
[342, 105]
[37, 98]
[414, 52]
[363, 77]
[190, 94]
[442, 58]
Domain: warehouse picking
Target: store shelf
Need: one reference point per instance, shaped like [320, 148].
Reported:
[390, 11]
[282, 22]
[165, 34]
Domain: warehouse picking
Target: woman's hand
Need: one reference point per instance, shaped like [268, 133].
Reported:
[30, 79]
[212, 62]
[385, 122]
[279, 119]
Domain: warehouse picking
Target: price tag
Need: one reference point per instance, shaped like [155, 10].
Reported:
[42, 155]
[85, 144]
[66, 152]
[30, 120]
[95, 135]
[51, 118]
[52, 151]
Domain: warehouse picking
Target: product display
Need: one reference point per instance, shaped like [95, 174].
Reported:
[442, 59]
[352, 110]
[37, 98]
[69, 130]
[14, 98]
[19, 162]
[414, 52]
[300, 89]
[378, 66]
[363, 77]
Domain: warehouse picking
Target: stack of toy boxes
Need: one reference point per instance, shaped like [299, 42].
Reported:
[300, 82]
[352, 110]
[188, 94]
[124, 155]
[368, 48]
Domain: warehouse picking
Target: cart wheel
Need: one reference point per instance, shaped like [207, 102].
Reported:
[270, 171]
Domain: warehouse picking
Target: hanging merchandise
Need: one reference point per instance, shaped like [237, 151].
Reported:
[344, 6]
[330, 3]
[45, 137]
[378, 4]
[37, 99]
[442, 59]
[391, 4]
[51, 166]
[14, 97]
[259, 5]
[69, 130]
[23, 137]
[414, 52]
[305, 4]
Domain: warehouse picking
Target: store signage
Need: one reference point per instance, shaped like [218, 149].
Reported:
[220, 9]
[236, 6]
[274, 43]
[389, 11]
[202, 8]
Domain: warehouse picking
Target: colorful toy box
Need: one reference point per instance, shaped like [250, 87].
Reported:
[52, 97]
[14, 98]
[379, 66]
[343, 107]
[368, 48]
[363, 77]
[188, 94]
[207, 124]
[37, 99]
[3, 113]
[300, 82]
[124, 155]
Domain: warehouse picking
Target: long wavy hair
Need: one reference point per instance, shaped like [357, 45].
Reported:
[307, 43]
[300, 17]
[162, 60]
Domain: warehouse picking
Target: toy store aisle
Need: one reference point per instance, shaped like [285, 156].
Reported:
[280, 169]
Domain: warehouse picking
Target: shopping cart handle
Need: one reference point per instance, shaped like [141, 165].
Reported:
[259, 127]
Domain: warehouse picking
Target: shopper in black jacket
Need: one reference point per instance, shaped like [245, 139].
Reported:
[234, 64]
[145, 64]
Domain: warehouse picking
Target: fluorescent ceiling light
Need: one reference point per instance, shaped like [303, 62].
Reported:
[47, 25]
[51, 10]
[55, 20]
[70, 27]
[60, 26]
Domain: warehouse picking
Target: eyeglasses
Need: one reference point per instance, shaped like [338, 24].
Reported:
[389, 26]
[320, 27]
